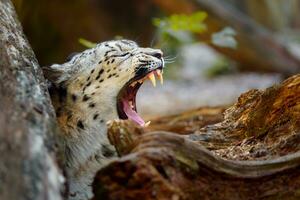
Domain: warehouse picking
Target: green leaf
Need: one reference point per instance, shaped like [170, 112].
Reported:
[181, 22]
[86, 43]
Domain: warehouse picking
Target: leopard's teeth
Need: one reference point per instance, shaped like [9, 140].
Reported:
[131, 104]
[133, 84]
[147, 124]
[151, 77]
[160, 76]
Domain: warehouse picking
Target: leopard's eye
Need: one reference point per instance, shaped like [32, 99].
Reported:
[127, 48]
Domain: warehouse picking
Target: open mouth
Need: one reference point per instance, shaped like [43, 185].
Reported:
[126, 100]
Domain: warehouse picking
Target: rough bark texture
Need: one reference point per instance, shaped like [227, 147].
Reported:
[28, 168]
[253, 153]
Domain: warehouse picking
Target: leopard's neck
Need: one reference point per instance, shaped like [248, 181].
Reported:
[82, 119]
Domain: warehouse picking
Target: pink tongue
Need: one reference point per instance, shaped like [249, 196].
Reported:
[131, 114]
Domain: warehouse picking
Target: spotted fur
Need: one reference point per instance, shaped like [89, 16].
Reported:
[84, 95]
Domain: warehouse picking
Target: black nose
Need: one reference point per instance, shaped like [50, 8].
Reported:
[157, 55]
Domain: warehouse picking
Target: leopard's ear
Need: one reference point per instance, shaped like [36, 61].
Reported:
[76, 63]
[58, 73]
[54, 73]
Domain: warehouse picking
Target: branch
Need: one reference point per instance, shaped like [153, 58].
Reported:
[257, 41]
[252, 153]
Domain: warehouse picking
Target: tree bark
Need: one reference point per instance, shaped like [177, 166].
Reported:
[28, 168]
[253, 153]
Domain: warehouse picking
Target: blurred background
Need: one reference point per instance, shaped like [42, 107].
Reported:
[214, 49]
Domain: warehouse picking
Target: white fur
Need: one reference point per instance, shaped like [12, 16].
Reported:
[82, 145]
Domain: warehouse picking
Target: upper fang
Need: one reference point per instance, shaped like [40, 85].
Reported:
[133, 84]
[151, 77]
[160, 76]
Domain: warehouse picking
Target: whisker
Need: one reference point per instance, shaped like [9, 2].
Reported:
[153, 41]
[163, 45]
[169, 58]
[167, 62]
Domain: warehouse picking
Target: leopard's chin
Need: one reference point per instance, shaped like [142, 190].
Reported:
[126, 99]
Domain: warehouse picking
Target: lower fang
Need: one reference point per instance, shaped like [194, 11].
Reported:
[131, 105]
[147, 124]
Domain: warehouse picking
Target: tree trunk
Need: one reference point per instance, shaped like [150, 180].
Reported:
[28, 168]
[253, 153]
